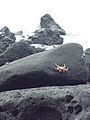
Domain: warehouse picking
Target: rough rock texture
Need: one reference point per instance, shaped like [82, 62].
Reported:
[37, 70]
[86, 56]
[3, 47]
[16, 51]
[49, 33]
[6, 32]
[47, 37]
[47, 103]
[48, 22]
[6, 38]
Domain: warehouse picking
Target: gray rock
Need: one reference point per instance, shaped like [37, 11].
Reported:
[86, 56]
[6, 38]
[48, 22]
[7, 35]
[47, 37]
[16, 51]
[3, 47]
[37, 70]
[47, 103]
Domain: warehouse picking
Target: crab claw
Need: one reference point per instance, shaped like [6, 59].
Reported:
[57, 65]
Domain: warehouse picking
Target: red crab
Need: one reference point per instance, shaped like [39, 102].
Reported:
[61, 69]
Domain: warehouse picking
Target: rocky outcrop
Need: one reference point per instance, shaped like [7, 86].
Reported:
[48, 22]
[6, 38]
[16, 51]
[49, 33]
[7, 33]
[47, 103]
[37, 70]
[47, 37]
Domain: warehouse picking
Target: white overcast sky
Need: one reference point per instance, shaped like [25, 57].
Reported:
[72, 15]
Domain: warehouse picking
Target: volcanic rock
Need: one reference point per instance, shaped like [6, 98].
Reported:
[46, 103]
[6, 38]
[16, 51]
[47, 37]
[38, 70]
[48, 22]
[7, 35]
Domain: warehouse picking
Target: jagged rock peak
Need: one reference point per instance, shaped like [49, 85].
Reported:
[6, 38]
[5, 30]
[48, 22]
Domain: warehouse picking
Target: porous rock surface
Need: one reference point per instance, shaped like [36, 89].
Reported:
[38, 69]
[46, 103]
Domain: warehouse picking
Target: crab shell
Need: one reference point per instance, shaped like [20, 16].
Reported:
[61, 69]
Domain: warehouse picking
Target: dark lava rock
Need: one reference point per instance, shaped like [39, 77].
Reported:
[48, 22]
[16, 51]
[47, 37]
[6, 38]
[46, 103]
[49, 33]
[37, 70]
[7, 35]
[3, 47]
[86, 56]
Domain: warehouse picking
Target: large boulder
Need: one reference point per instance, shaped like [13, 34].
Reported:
[48, 103]
[37, 70]
[48, 22]
[16, 51]
[6, 38]
[47, 37]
